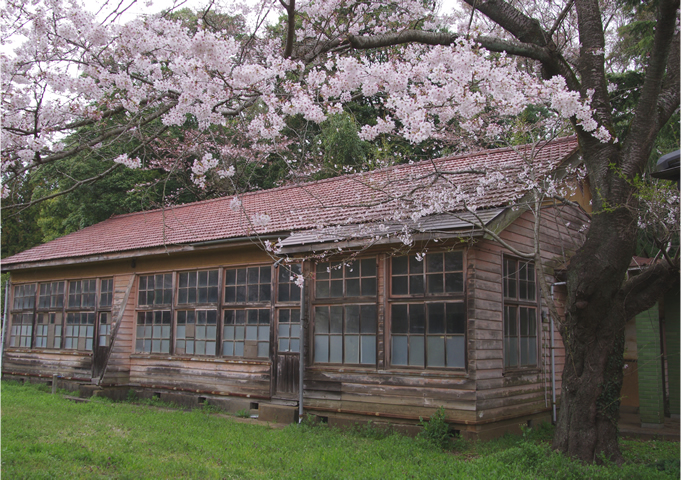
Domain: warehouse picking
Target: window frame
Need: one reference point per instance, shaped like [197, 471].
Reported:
[426, 299]
[518, 303]
[347, 272]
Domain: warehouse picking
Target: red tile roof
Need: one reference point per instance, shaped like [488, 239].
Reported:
[343, 200]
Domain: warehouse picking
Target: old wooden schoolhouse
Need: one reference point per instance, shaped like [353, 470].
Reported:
[185, 304]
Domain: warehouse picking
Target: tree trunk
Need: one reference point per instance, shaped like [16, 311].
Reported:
[593, 334]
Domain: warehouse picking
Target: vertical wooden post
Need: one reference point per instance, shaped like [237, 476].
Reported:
[54, 383]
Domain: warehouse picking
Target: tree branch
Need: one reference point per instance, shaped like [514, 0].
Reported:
[641, 292]
[644, 128]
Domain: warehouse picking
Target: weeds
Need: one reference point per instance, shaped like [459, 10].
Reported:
[243, 413]
[436, 430]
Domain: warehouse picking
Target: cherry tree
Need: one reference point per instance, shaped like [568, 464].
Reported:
[218, 98]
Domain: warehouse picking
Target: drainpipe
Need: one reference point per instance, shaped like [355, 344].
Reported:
[5, 321]
[301, 372]
[553, 360]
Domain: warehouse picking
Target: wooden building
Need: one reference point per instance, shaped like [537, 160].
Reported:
[185, 303]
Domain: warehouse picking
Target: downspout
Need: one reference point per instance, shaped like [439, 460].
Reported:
[5, 321]
[553, 360]
[301, 367]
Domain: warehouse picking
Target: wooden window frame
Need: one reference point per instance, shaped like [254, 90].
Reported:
[345, 274]
[428, 299]
[514, 302]
[51, 296]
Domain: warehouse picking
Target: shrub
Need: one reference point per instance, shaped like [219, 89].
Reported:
[436, 430]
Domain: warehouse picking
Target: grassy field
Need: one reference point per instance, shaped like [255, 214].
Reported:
[47, 436]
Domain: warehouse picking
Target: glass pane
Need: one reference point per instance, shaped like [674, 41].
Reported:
[454, 282]
[336, 349]
[210, 348]
[295, 345]
[321, 348]
[368, 319]
[400, 265]
[436, 351]
[251, 333]
[399, 350]
[263, 349]
[416, 284]
[352, 287]
[230, 277]
[456, 351]
[368, 266]
[435, 284]
[321, 315]
[414, 265]
[456, 318]
[295, 331]
[524, 347]
[336, 288]
[336, 319]
[400, 285]
[351, 349]
[368, 349]
[283, 330]
[238, 349]
[434, 262]
[416, 350]
[264, 333]
[228, 348]
[352, 319]
[400, 319]
[369, 287]
[436, 318]
[417, 319]
[322, 289]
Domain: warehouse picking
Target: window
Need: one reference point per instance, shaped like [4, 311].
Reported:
[24, 297]
[82, 293]
[197, 287]
[443, 274]
[153, 331]
[155, 289]
[21, 333]
[51, 295]
[337, 281]
[288, 291]
[430, 335]
[22, 330]
[247, 285]
[104, 329]
[246, 333]
[520, 314]
[345, 334]
[196, 332]
[289, 329]
[105, 292]
[427, 313]
[80, 331]
[48, 330]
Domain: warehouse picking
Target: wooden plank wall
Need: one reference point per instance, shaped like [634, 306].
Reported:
[503, 394]
[118, 367]
[45, 363]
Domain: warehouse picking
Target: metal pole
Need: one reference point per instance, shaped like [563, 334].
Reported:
[301, 371]
[553, 361]
[5, 321]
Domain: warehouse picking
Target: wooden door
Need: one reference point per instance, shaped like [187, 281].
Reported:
[287, 354]
[101, 344]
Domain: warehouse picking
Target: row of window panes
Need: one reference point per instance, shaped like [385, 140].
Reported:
[76, 334]
[81, 294]
[196, 332]
[242, 285]
[436, 274]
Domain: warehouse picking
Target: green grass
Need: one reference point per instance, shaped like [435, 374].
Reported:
[47, 436]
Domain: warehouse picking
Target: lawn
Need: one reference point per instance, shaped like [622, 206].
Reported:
[47, 436]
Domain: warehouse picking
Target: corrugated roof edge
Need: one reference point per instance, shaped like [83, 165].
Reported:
[346, 177]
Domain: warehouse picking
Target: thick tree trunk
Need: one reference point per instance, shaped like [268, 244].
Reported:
[593, 334]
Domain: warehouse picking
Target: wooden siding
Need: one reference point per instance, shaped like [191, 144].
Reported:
[202, 375]
[501, 392]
